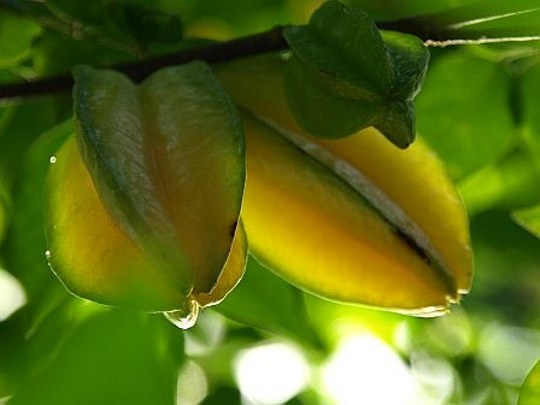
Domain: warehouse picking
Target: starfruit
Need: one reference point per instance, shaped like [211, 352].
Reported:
[354, 220]
[144, 201]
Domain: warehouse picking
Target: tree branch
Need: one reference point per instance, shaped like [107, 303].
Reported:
[264, 42]
[268, 41]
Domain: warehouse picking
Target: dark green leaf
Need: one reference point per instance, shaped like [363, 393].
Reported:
[506, 277]
[463, 113]
[321, 112]
[409, 59]
[344, 44]
[85, 11]
[146, 24]
[344, 77]
[262, 300]
[397, 121]
[20, 125]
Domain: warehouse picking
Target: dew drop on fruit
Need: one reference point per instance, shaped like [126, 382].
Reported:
[184, 318]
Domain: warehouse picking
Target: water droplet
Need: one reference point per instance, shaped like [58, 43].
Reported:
[186, 317]
[52, 159]
[48, 254]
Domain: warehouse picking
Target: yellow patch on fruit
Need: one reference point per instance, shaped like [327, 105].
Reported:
[409, 188]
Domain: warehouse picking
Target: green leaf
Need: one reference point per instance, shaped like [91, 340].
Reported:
[530, 88]
[321, 112]
[344, 44]
[110, 357]
[397, 121]
[506, 277]
[530, 390]
[20, 125]
[263, 300]
[463, 114]
[25, 245]
[409, 58]
[344, 77]
[16, 36]
[510, 184]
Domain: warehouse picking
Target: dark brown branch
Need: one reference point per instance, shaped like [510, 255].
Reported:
[268, 41]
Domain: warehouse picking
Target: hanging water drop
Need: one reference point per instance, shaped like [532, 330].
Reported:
[52, 160]
[186, 317]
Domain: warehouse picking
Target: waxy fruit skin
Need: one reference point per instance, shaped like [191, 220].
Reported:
[144, 205]
[408, 189]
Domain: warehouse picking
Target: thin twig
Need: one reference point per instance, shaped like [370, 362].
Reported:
[479, 41]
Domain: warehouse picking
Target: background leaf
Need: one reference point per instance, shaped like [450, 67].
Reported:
[530, 390]
[266, 301]
[16, 36]
[509, 184]
[463, 112]
[111, 356]
[530, 90]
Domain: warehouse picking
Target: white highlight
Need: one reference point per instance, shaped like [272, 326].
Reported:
[52, 159]
[365, 370]
[208, 335]
[436, 378]
[192, 385]
[271, 374]
[12, 296]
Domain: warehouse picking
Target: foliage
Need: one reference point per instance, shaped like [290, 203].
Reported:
[478, 110]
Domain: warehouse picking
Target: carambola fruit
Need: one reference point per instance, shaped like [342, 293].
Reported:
[354, 220]
[144, 202]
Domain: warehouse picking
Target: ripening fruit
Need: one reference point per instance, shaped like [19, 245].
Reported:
[144, 204]
[355, 219]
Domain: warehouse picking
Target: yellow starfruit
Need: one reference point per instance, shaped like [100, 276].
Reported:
[144, 202]
[402, 243]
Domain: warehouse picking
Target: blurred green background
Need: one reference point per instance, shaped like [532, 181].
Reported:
[270, 343]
